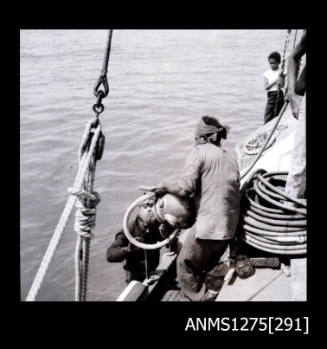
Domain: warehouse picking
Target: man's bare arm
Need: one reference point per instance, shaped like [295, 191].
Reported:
[292, 72]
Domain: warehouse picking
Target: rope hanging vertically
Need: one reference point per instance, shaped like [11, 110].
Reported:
[91, 149]
[287, 40]
[85, 207]
[85, 219]
[102, 80]
[78, 183]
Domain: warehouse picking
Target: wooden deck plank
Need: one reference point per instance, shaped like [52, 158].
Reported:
[269, 283]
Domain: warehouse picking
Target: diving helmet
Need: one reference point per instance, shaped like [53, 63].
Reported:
[175, 211]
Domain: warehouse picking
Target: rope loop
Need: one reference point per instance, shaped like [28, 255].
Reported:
[101, 89]
[87, 137]
[81, 193]
[100, 147]
[102, 81]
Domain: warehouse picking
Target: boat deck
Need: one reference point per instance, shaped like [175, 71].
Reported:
[265, 285]
[268, 284]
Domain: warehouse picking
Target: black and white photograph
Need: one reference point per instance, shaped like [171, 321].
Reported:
[163, 165]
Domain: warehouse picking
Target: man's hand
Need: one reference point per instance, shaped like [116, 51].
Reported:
[159, 191]
[165, 230]
[295, 102]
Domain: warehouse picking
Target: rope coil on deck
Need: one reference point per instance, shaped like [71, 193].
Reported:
[273, 221]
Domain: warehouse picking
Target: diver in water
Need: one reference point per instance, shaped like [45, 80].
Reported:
[145, 228]
[211, 178]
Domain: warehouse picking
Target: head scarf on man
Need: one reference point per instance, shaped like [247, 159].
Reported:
[203, 129]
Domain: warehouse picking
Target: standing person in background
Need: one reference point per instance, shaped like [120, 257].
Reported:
[273, 83]
[211, 177]
[296, 179]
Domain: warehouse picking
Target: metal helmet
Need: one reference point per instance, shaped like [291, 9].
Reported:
[175, 211]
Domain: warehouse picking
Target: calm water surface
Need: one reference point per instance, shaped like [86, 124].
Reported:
[161, 82]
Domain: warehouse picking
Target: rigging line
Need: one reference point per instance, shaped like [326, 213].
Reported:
[288, 34]
[38, 279]
[107, 55]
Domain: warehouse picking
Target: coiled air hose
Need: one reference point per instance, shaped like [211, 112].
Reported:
[273, 221]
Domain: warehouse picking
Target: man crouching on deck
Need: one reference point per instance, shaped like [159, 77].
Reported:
[212, 176]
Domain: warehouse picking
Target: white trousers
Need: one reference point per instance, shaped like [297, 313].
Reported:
[296, 179]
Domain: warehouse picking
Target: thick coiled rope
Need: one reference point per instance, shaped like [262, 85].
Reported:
[273, 221]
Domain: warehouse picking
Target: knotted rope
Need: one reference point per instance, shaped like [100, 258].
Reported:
[78, 186]
[85, 217]
[90, 151]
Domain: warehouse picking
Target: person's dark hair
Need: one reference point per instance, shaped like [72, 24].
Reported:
[275, 55]
[209, 120]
